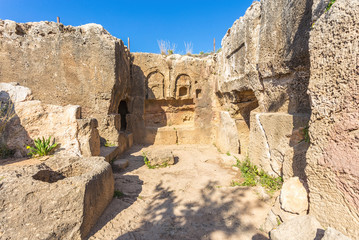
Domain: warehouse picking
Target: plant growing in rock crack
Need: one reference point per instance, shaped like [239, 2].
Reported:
[42, 147]
[253, 176]
[5, 152]
[306, 135]
[118, 194]
[7, 112]
[165, 47]
[189, 48]
[330, 4]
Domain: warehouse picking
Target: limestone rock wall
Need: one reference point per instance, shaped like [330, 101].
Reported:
[172, 99]
[63, 65]
[264, 67]
[33, 119]
[332, 159]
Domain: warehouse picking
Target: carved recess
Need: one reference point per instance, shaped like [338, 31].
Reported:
[183, 87]
[155, 85]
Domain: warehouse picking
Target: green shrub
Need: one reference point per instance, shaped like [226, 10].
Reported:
[109, 144]
[253, 176]
[42, 147]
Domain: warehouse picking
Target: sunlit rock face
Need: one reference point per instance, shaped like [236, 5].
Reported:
[332, 159]
[63, 65]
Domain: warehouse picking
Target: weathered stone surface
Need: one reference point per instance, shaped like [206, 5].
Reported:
[274, 139]
[266, 51]
[160, 157]
[227, 137]
[332, 234]
[332, 165]
[63, 65]
[238, 57]
[271, 222]
[120, 164]
[88, 137]
[294, 197]
[298, 228]
[282, 215]
[59, 199]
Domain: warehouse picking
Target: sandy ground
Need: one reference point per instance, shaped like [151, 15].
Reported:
[189, 200]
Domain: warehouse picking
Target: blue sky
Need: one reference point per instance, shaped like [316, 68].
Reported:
[145, 22]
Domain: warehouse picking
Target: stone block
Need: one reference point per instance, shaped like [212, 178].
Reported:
[158, 157]
[120, 164]
[294, 197]
[298, 228]
[63, 197]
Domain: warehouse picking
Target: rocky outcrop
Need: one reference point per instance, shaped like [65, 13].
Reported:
[33, 120]
[61, 198]
[64, 65]
[264, 67]
[332, 158]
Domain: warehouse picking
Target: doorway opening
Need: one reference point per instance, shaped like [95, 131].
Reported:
[123, 111]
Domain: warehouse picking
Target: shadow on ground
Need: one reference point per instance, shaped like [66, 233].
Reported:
[212, 217]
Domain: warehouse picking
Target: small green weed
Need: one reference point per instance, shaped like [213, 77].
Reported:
[42, 147]
[5, 152]
[219, 150]
[330, 4]
[253, 176]
[109, 144]
[170, 51]
[118, 194]
[279, 222]
[306, 134]
[228, 154]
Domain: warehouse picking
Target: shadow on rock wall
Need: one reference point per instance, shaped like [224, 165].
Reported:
[14, 138]
[301, 51]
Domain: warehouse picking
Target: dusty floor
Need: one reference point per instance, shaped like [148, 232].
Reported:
[189, 200]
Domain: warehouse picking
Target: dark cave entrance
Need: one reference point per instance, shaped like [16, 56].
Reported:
[123, 111]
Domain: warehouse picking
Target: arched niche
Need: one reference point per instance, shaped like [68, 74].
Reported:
[155, 85]
[183, 87]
